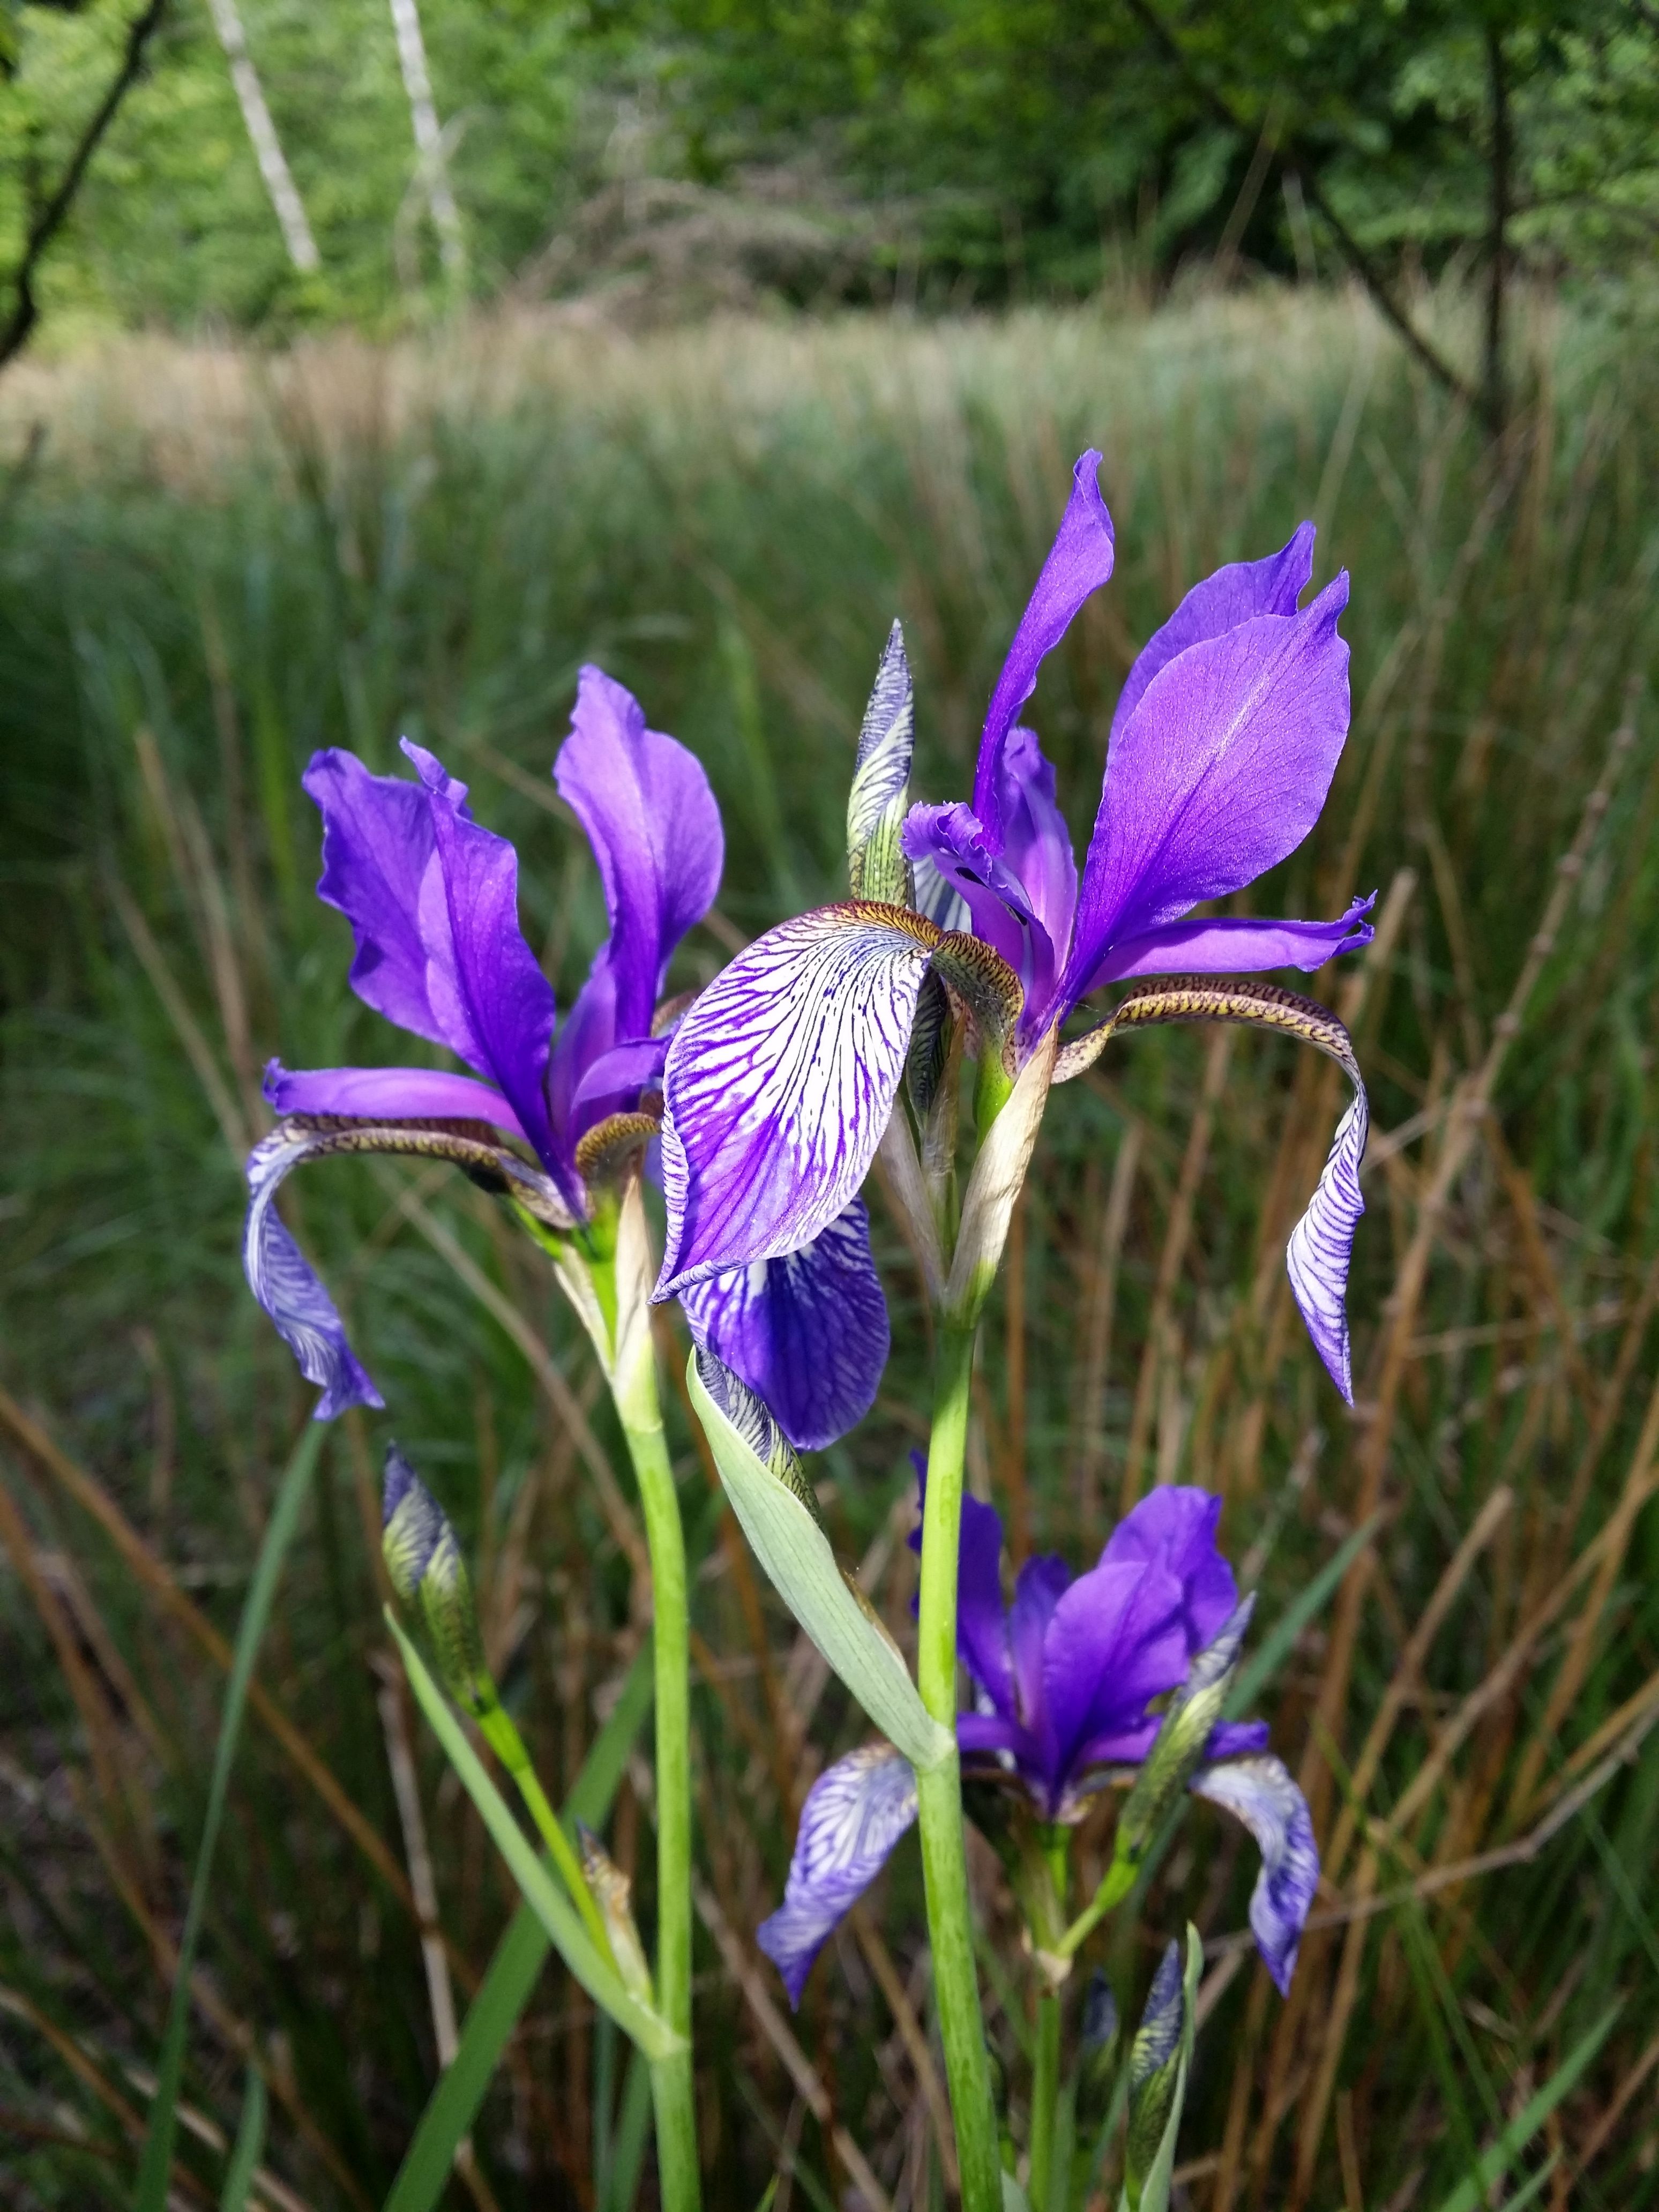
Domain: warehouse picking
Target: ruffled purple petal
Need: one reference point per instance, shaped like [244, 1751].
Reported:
[1219, 772]
[854, 1814]
[483, 981]
[1035, 842]
[807, 1333]
[779, 1084]
[651, 818]
[991, 1732]
[1080, 562]
[1261, 1793]
[1232, 945]
[388, 1094]
[1175, 1528]
[981, 1620]
[1003, 916]
[282, 1278]
[377, 846]
[1322, 1244]
[1116, 1641]
[1233, 595]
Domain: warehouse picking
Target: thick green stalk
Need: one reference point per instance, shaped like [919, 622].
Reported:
[670, 2078]
[938, 1792]
[1045, 2092]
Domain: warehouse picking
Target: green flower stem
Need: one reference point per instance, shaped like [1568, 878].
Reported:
[496, 1727]
[671, 2077]
[939, 1790]
[1045, 2093]
[1119, 1880]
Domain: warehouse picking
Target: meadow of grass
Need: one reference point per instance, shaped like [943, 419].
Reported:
[212, 564]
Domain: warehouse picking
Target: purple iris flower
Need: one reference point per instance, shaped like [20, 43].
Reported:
[1064, 1681]
[779, 1083]
[432, 898]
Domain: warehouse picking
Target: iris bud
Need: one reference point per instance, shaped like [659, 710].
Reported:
[1154, 2071]
[1178, 1748]
[428, 1569]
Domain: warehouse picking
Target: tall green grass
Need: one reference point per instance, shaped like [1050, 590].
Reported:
[211, 565]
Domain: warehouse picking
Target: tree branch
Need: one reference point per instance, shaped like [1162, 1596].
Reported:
[1291, 155]
[49, 220]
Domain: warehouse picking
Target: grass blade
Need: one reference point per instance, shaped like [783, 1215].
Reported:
[512, 1974]
[249, 2144]
[1494, 2163]
[151, 2193]
[1261, 1668]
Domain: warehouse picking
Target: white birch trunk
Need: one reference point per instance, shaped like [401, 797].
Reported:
[428, 137]
[267, 147]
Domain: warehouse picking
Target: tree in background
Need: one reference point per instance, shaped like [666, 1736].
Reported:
[959, 151]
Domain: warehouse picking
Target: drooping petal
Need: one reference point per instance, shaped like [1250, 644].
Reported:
[1080, 562]
[779, 1084]
[1321, 1248]
[1175, 1528]
[282, 1281]
[388, 1094]
[1233, 595]
[1035, 842]
[483, 981]
[1003, 916]
[1260, 1792]
[650, 817]
[981, 1619]
[1116, 1640]
[1219, 772]
[1234, 945]
[377, 845]
[807, 1333]
[854, 1814]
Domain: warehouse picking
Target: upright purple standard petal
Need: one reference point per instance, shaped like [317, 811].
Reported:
[1219, 773]
[1116, 1640]
[281, 1280]
[1035, 842]
[854, 1814]
[388, 1094]
[779, 1084]
[651, 818]
[1080, 562]
[1175, 1529]
[981, 1619]
[1233, 595]
[377, 846]
[807, 1333]
[483, 983]
[1260, 1792]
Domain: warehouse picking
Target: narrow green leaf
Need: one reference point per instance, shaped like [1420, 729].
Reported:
[1155, 2191]
[150, 2194]
[1260, 1668]
[552, 1908]
[1495, 2163]
[784, 1533]
[248, 2147]
[513, 1972]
